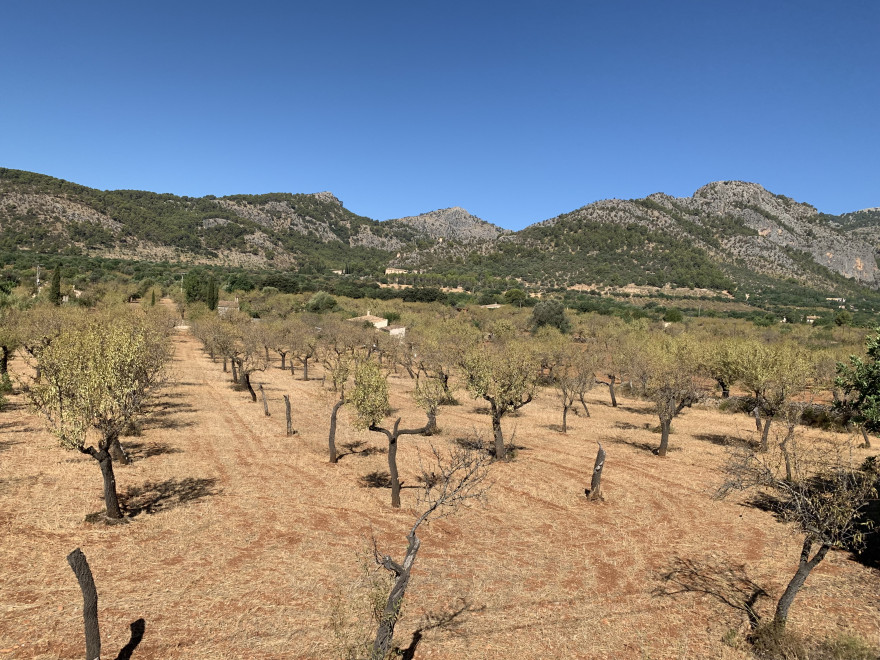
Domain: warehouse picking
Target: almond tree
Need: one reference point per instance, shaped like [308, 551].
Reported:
[303, 332]
[774, 373]
[672, 380]
[95, 379]
[817, 487]
[370, 399]
[449, 482]
[503, 373]
[573, 377]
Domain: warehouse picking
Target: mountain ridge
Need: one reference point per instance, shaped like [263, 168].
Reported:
[725, 232]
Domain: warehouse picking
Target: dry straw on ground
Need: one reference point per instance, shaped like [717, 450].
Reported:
[244, 538]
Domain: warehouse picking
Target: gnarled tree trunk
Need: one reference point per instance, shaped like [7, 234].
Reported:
[332, 439]
[111, 499]
[665, 425]
[391, 613]
[77, 561]
[805, 566]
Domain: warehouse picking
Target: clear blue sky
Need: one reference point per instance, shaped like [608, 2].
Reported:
[516, 111]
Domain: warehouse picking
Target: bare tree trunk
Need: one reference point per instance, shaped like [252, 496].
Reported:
[290, 430]
[224, 364]
[111, 500]
[391, 613]
[757, 413]
[805, 566]
[392, 470]
[596, 482]
[292, 368]
[500, 449]
[4, 360]
[283, 359]
[564, 418]
[611, 379]
[865, 437]
[234, 372]
[305, 369]
[665, 425]
[246, 380]
[431, 427]
[725, 388]
[265, 403]
[267, 354]
[765, 436]
[79, 564]
[584, 404]
[332, 438]
[784, 447]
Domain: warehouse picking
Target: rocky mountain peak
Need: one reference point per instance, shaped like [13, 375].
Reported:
[327, 197]
[454, 223]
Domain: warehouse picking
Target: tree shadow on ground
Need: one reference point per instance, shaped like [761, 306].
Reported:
[166, 417]
[448, 619]
[359, 448]
[626, 426]
[138, 451]
[380, 479]
[651, 447]
[724, 440]
[137, 634]
[727, 583]
[5, 445]
[154, 497]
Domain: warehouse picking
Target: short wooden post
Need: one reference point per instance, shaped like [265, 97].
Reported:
[595, 491]
[290, 429]
[265, 403]
[80, 566]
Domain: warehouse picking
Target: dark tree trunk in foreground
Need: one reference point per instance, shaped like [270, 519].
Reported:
[79, 564]
[765, 436]
[111, 500]
[725, 388]
[806, 565]
[77, 561]
[290, 430]
[265, 403]
[246, 380]
[392, 436]
[596, 482]
[391, 613]
[665, 425]
[332, 438]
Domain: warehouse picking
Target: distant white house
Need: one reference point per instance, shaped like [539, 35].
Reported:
[225, 306]
[396, 271]
[492, 306]
[398, 331]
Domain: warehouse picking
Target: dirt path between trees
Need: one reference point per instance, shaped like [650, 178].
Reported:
[244, 543]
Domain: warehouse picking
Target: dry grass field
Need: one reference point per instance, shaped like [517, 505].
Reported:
[243, 543]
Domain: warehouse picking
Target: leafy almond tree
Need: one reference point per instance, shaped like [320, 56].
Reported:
[95, 379]
[672, 380]
[370, 399]
[503, 373]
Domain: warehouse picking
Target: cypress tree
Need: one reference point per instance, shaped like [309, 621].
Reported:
[55, 287]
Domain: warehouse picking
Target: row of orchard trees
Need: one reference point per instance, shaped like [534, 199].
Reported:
[503, 363]
[91, 373]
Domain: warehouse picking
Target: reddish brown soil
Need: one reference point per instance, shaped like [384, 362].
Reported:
[249, 540]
